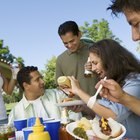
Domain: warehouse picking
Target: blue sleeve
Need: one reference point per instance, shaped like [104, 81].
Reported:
[132, 87]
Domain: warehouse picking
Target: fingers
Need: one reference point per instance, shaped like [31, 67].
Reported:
[71, 78]
[109, 84]
[88, 66]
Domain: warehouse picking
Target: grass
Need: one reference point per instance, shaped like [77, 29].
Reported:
[9, 107]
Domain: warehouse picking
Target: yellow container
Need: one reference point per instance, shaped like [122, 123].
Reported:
[38, 132]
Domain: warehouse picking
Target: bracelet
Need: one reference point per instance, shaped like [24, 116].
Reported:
[91, 102]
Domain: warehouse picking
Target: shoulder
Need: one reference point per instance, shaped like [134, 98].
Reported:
[53, 93]
[18, 106]
[133, 78]
[132, 84]
[64, 54]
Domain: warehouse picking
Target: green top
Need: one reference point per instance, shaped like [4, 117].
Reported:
[72, 64]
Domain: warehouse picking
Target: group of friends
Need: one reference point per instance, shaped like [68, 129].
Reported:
[121, 90]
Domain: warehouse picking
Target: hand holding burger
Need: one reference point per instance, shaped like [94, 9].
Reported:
[65, 83]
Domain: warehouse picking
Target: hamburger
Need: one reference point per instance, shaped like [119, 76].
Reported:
[64, 82]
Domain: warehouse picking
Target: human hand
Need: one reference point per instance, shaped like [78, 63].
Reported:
[88, 66]
[75, 87]
[66, 90]
[111, 90]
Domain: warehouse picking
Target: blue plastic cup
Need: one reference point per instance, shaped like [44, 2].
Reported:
[31, 121]
[20, 124]
[53, 127]
[26, 132]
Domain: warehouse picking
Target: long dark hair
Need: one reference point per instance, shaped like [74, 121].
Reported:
[117, 61]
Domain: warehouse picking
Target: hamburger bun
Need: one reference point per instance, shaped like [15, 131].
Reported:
[116, 129]
[64, 81]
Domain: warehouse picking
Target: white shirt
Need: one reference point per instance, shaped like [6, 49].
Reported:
[38, 108]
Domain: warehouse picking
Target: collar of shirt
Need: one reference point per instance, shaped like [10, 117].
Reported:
[26, 103]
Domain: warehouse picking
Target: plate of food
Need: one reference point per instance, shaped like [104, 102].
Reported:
[70, 102]
[78, 131]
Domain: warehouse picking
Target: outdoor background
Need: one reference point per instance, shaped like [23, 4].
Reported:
[29, 27]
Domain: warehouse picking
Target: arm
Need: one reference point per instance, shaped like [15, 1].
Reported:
[97, 108]
[8, 86]
[113, 92]
[131, 102]
[116, 94]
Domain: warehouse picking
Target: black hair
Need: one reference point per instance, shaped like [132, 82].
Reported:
[68, 26]
[24, 75]
[118, 6]
[117, 61]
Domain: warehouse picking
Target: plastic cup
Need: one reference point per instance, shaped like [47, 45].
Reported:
[52, 127]
[31, 121]
[26, 132]
[48, 119]
[20, 124]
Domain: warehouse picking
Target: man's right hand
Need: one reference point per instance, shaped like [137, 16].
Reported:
[111, 90]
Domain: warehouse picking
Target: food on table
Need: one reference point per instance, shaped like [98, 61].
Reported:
[80, 132]
[106, 128]
[84, 123]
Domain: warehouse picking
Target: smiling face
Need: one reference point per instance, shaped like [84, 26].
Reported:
[97, 66]
[71, 42]
[133, 19]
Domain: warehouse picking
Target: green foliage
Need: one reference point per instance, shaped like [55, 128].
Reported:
[9, 106]
[6, 55]
[16, 96]
[49, 73]
[98, 30]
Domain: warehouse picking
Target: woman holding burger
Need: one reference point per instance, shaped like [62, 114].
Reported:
[108, 58]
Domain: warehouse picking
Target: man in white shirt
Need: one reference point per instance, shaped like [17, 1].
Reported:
[36, 101]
